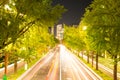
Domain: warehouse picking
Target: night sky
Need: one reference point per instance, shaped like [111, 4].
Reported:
[75, 10]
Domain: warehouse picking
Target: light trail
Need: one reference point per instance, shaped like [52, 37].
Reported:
[60, 64]
[78, 70]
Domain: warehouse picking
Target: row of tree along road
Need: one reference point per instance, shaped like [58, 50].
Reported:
[98, 31]
[24, 29]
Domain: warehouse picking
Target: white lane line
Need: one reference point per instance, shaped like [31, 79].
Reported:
[23, 76]
[92, 74]
[89, 72]
[76, 66]
[75, 69]
[60, 63]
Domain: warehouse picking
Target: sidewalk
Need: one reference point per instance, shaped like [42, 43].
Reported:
[103, 68]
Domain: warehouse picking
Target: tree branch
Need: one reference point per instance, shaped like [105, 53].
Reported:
[21, 32]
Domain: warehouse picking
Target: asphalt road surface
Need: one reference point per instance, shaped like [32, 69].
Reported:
[60, 64]
[73, 69]
[49, 71]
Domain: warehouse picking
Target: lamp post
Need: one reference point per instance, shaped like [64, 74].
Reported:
[84, 28]
[83, 31]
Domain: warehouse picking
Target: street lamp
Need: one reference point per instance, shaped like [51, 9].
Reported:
[84, 28]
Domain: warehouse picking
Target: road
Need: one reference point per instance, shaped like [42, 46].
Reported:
[43, 68]
[60, 64]
[49, 71]
[73, 69]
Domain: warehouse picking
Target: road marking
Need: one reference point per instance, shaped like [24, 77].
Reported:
[76, 68]
[60, 63]
[68, 79]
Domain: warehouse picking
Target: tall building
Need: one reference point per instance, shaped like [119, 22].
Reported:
[59, 31]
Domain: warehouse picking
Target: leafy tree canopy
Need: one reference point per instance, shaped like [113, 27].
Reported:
[73, 38]
[102, 18]
[17, 16]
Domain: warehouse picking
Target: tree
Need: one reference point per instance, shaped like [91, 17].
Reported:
[103, 20]
[19, 15]
[72, 38]
[3, 2]
[35, 42]
[84, 37]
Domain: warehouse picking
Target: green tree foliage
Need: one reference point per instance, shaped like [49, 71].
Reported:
[73, 38]
[102, 18]
[17, 16]
[34, 43]
[3, 2]
[37, 40]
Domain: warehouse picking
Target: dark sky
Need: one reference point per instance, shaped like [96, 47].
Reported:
[75, 10]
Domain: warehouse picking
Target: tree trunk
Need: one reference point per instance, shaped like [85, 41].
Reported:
[82, 54]
[6, 62]
[92, 58]
[115, 67]
[97, 61]
[87, 56]
[105, 54]
[15, 66]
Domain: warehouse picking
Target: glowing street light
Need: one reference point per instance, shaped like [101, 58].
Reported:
[84, 28]
[7, 7]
